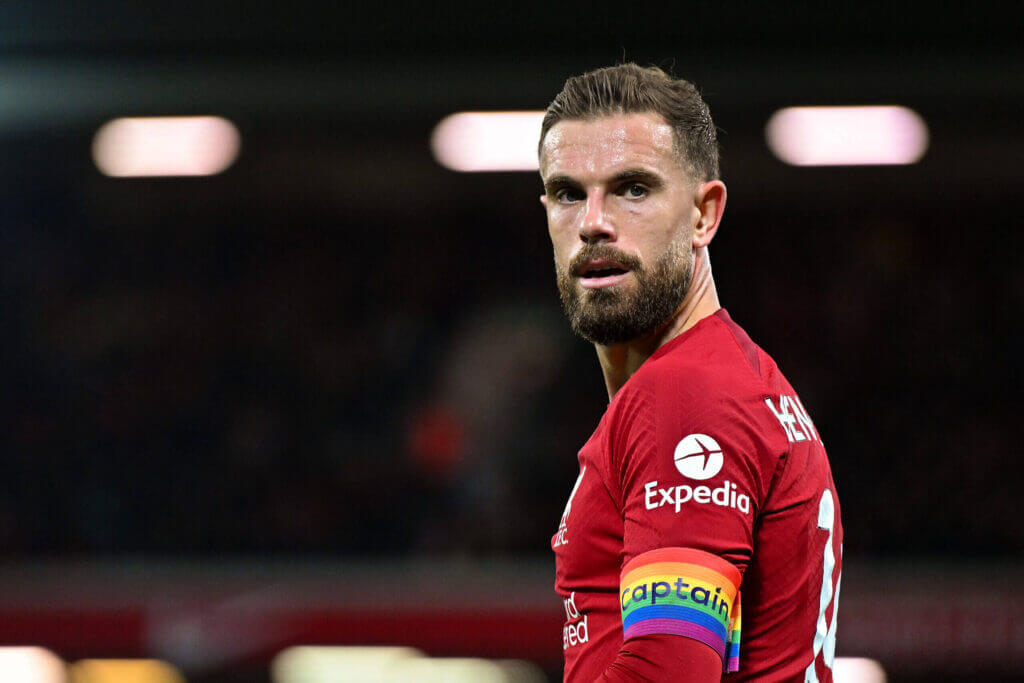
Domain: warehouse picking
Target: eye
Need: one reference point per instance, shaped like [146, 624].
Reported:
[568, 195]
[636, 190]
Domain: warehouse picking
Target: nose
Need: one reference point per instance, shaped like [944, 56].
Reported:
[596, 227]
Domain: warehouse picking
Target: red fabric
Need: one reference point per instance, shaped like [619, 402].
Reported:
[659, 658]
[760, 511]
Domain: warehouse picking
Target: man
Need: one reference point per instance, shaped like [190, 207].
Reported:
[705, 485]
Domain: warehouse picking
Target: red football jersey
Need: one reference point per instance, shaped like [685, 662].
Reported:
[705, 491]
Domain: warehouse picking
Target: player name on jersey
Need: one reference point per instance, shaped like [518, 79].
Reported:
[794, 419]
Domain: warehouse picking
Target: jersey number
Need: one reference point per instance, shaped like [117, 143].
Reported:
[825, 633]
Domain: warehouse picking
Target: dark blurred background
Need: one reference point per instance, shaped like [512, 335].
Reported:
[338, 354]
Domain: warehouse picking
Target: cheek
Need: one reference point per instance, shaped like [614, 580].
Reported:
[561, 228]
[678, 226]
[563, 254]
[657, 230]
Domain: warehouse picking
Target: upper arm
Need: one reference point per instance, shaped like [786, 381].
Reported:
[692, 480]
[648, 658]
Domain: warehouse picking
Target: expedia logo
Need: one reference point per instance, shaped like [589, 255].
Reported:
[725, 496]
[699, 457]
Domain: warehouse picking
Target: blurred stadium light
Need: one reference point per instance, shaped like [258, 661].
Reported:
[847, 136]
[308, 664]
[123, 671]
[801, 136]
[313, 664]
[459, 670]
[165, 146]
[488, 141]
[521, 671]
[30, 665]
[857, 670]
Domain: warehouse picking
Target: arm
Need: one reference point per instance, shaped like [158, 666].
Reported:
[650, 658]
[680, 616]
[687, 538]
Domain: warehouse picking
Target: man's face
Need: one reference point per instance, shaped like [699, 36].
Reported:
[621, 211]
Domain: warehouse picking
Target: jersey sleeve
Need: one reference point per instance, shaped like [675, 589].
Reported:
[692, 474]
[648, 658]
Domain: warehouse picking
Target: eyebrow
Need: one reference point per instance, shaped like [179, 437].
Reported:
[559, 181]
[648, 177]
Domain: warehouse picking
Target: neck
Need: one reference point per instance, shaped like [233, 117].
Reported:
[620, 361]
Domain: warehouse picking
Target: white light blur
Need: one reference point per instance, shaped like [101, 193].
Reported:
[337, 664]
[447, 670]
[847, 136]
[521, 671]
[30, 665]
[488, 141]
[165, 146]
[857, 670]
[357, 664]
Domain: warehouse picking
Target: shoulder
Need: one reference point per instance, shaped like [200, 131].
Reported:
[714, 360]
[704, 385]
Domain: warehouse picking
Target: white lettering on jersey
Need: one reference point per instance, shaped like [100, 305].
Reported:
[575, 633]
[725, 495]
[794, 419]
[697, 456]
[825, 635]
[560, 538]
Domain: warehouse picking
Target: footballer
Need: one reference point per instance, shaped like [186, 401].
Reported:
[702, 539]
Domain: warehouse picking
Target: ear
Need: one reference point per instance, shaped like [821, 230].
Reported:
[710, 202]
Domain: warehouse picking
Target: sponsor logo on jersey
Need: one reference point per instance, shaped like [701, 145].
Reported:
[698, 456]
[576, 630]
[725, 495]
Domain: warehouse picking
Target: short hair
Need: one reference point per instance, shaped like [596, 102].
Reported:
[631, 89]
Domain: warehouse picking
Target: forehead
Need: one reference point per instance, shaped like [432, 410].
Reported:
[599, 147]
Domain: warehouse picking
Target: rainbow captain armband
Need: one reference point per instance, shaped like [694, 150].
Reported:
[686, 592]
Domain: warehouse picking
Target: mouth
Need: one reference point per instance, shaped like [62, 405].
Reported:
[599, 273]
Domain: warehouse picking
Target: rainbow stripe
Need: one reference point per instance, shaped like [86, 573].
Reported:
[686, 592]
[732, 662]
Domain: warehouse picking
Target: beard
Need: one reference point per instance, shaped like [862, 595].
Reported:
[613, 315]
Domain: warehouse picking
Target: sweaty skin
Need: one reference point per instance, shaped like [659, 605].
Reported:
[619, 180]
